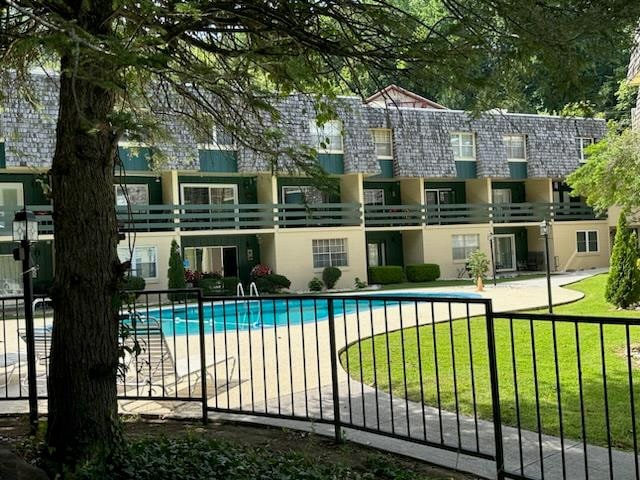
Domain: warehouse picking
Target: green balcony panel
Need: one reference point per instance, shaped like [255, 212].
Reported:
[466, 169]
[386, 169]
[332, 162]
[3, 159]
[518, 170]
[220, 161]
[135, 159]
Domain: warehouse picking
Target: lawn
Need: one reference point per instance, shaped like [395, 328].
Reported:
[458, 334]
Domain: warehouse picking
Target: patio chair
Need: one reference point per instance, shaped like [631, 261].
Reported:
[153, 370]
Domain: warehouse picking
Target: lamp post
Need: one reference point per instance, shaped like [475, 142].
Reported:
[545, 231]
[493, 261]
[25, 231]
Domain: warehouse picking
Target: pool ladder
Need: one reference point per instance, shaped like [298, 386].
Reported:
[253, 289]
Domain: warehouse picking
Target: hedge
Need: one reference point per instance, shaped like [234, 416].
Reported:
[426, 272]
[272, 283]
[386, 275]
[330, 276]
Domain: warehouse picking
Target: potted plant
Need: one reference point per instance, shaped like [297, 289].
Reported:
[478, 265]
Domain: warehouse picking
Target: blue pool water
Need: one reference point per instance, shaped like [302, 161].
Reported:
[253, 314]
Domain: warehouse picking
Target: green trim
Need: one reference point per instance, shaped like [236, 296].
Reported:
[247, 189]
[332, 162]
[218, 161]
[466, 169]
[392, 245]
[386, 169]
[33, 193]
[333, 197]
[136, 159]
[42, 254]
[154, 186]
[3, 158]
[242, 242]
[518, 194]
[522, 246]
[391, 191]
[458, 188]
[518, 170]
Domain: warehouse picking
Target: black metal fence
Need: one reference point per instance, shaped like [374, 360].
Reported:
[507, 395]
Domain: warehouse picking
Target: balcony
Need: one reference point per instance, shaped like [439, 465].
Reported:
[188, 218]
[475, 213]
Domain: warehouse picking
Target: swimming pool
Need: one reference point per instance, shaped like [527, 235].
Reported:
[220, 316]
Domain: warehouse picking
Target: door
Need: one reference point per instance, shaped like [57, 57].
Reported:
[230, 262]
[376, 254]
[505, 252]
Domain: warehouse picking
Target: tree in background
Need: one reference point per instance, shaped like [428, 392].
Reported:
[610, 176]
[623, 284]
[175, 274]
[123, 65]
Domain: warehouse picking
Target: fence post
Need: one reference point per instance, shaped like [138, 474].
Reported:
[495, 392]
[334, 372]
[203, 360]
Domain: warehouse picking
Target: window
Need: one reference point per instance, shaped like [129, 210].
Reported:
[330, 253]
[516, 148]
[587, 241]
[463, 146]
[10, 276]
[376, 254]
[583, 143]
[327, 138]
[439, 196]
[144, 261]
[304, 194]
[501, 195]
[136, 194]
[373, 196]
[464, 245]
[383, 143]
[210, 194]
[11, 197]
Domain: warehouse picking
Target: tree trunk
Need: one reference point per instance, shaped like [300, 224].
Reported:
[84, 357]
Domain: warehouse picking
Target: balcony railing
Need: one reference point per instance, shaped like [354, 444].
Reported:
[393, 215]
[318, 215]
[159, 218]
[474, 213]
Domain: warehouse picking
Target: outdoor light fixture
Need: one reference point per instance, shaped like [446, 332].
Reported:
[25, 227]
[25, 231]
[545, 232]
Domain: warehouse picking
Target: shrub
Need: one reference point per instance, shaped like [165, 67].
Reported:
[330, 276]
[229, 285]
[623, 284]
[386, 275]
[272, 283]
[192, 276]
[211, 286]
[280, 281]
[426, 272]
[359, 283]
[176, 272]
[315, 285]
[132, 283]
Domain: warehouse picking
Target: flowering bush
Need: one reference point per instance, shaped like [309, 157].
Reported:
[192, 276]
[260, 270]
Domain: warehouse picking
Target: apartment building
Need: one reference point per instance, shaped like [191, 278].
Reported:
[418, 183]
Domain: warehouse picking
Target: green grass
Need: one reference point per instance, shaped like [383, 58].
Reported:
[459, 333]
